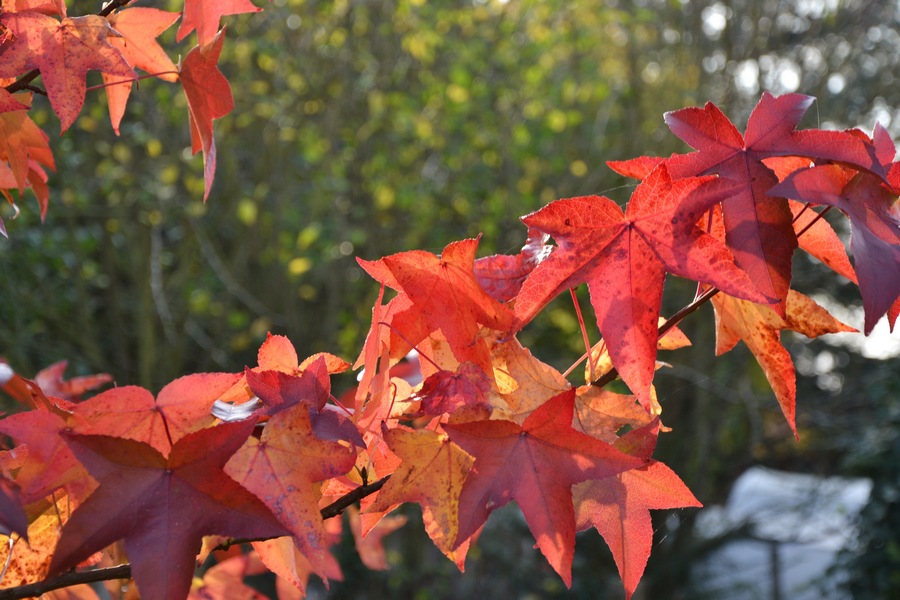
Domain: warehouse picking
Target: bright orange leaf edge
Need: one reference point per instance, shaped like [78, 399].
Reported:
[475, 420]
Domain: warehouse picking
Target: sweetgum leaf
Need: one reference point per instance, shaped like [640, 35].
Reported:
[444, 294]
[139, 28]
[204, 15]
[64, 51]
[759, 326]
[283, 469]
[431, 472]
[758, 225]
[209, 97]
[874, 226]
[536, 465]
[161, 505]
[624, 257]
[618, 507]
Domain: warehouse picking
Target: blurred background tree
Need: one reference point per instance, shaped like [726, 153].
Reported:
[367, 128]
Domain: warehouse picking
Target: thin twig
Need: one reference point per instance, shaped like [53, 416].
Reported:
[33, 590]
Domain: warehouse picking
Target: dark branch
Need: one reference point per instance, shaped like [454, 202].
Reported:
[33, 590]
[338, 506]
[611, 375]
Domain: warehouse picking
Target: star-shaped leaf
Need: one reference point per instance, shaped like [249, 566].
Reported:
[624, 258]
[758, 225]
[431, 473]
[139, 28]
[446, 295]
[536, 465]
[619, 506]
[283, 468]
[181, 407]
[162, 505]
[64, 51]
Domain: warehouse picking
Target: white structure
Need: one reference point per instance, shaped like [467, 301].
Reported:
[795, 526]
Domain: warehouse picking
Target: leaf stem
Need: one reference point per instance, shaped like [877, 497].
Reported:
[675, 319]
[584, 335]
[124, 81]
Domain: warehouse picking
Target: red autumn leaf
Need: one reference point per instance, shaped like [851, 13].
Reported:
[279, 391]
[448, 391]
[47, 7]
[283, 469]
[636, 168]
[619, 506]
[501, 275]
[204, 16]
[161, 505]
[49, 463]
[10, 102]
[181, 407]
[536, 465]
[624, 258]
[139, 28]
[875, 233]
[50, 380]
[445, 295]
[431, 472]
[758, 225]
[64, 52]
[759, 327]
[209, 97]
[20, 140]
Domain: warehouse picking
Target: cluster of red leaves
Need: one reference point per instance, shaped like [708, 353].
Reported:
[37, 38]
[265, 456]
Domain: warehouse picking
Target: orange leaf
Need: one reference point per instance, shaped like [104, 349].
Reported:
[21, 139]
[283, 469]
[601, 413]
[445, 295]
[618, 506]
[64, 52]
[30, 559]
[209, 97]
[139, 28]
[204, 15]
[536, 465]
[759, 326]
[181, 407]
[431, 473]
